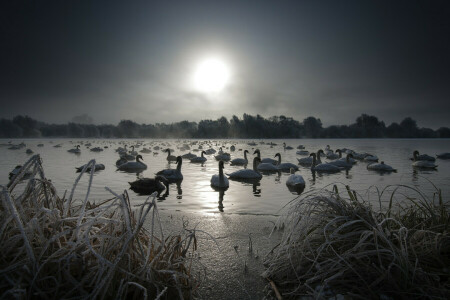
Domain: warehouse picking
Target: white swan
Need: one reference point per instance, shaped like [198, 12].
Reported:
[324, 167]
[199, 159]
[188, 155]
[173, 174]
[445, 155]
[380, 167]
[223, 155]
[132, 152]
[75, 150]
[302, 152]
[346, 164]
[333, 155]
[287, 147]
[307, 161]
[371, 158]
[418, 156]
[97, 167]
[170, 157]
[240, 161]
[133, 166]
[295, 181]
[220, 181]
[149, 185]
[347, 159]
[265, 160]
[423, 164]
[284, 166]
[247, 174]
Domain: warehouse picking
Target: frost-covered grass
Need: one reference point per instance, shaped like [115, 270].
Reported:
[338, 244]
[57, 248]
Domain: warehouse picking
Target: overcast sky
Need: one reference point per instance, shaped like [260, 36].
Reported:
[135, 59]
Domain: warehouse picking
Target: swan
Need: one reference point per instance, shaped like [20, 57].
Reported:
[132, 152]
[301, 147]
[247, 173]
[240, 161]
[284, 166]
[133, 166]
[347, 159]
[97, 167]
[371, 158]
[324, 167]
[425, 157]
[127, 156]
[173, 174]
[199, 159]
[267, 167]
[75, 150]
[287, 147]
[220, 181]
[346, 164]
[209, 151]
[380, 167]
[145, 150]
[333, 155]
[188, 155]
[265, 160]
[445, 155]
[307, 161]
[295, 181]
[223, 155]
[96, 149]
[149, 185]
[170, 157]
[424, 164]
[121, 161]
[302, 152]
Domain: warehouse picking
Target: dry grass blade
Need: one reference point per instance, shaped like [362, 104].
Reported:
[52, 248]
[332, 241]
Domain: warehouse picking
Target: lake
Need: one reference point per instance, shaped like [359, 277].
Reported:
[195, 194]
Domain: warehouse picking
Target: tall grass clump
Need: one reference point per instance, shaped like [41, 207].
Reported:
[338, 244]
[59, 248]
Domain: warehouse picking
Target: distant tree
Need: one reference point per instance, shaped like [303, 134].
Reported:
[409, 127]
[75, 130]
[128, 128]
[369, 126]
[82, 119]
[444, 132]
[29, 126]
[9, 129]
[394, 131]
[313, 127]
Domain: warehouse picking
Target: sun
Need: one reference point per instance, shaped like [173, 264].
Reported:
[211, 75]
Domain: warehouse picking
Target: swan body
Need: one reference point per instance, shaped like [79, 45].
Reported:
[425, 157]
[307, 161]
[75, 150]
[40, 145]
[302, 152]
[173, 174]
[443, 155]
[223, 156]
[343, 163]
[371, 158]
[145, 150]
[133, 166]
[199, 159]
[121, 161]
[240, 161]
[284, 166]
[381, 167]
[97, 167]
[149, 185]
[324, 167]
[220, 181]
[96, 149]
[332, 155]
[127, 156]
[247, 173]
[265, 160]
[424, 164]
[170, 157]
[300, 147]
[188, 155]
[295, 181]
[287, 147]
[209, 151]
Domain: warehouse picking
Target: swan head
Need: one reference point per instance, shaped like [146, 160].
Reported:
[314, 154]
[203, 153]
[257, 151]
[139, 157]
[319, 152]
[221, 164]
[246, 151]
[179, 160]
[415, 153]
[278, 155]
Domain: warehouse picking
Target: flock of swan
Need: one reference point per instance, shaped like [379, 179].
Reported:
[336, 161]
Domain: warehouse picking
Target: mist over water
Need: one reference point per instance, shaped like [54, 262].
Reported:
[195, 194]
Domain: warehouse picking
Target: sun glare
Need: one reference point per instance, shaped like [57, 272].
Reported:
[211, 76]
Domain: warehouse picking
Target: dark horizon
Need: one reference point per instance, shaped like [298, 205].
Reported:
[333, 60]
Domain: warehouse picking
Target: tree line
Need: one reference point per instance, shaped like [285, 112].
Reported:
[248, 126]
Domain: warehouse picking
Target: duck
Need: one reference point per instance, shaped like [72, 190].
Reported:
[133, 166]
[148, 186]
[423, 164]
[346, 164]
[380, 167]
[199, 159]
[220, 181]
[240, 161]
[425, 157]
[97, 167]
[284, 166]
[323, 167]
[75, 150]
[170, 157]
[173, 175]
[265, 160]
[295, 181]
[247, 174]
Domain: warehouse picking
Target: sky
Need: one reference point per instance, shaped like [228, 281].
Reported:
[136, 60]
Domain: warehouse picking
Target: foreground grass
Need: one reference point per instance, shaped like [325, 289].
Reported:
[53, 248]
[336, 243]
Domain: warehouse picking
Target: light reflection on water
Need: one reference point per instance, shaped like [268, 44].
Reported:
[194, 193]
